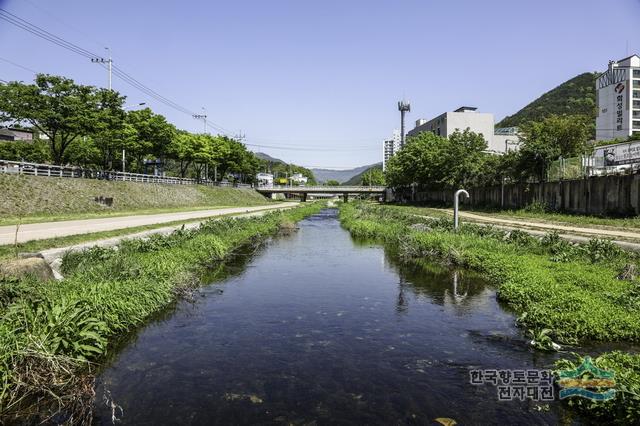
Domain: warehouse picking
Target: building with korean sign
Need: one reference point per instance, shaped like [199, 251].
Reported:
[618, 99]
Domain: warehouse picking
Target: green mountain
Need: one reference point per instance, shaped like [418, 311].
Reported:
[324, 175]
[357, 179]
[573, 97]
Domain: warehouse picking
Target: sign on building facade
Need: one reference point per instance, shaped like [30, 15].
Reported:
[617, 155]
[613, 119]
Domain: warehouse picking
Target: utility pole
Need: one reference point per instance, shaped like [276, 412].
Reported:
[109, 63]
[403, 107]
[123, 150]
[202, 117]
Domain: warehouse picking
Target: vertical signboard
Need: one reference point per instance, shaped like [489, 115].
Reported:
[613, 105]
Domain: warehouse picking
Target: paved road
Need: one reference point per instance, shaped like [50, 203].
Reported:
[41, 231]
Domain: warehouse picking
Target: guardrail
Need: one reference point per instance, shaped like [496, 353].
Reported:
[50, 170]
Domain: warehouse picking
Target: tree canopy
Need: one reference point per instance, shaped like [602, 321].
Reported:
[89, 127]
[438, 162]
[60, 109]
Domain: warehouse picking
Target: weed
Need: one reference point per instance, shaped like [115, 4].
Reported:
[50, 334]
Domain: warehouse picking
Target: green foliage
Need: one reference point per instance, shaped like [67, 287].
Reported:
[544, 141]
[536, 207]
[577, 297]
[282, 170]
[573, 97]
[332, 182]
[438, 162]
[31, 152]
[105, 294]
[60, 109]
[60, 198]
[88, 127]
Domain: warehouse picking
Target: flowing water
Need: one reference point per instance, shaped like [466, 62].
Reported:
[319, 329]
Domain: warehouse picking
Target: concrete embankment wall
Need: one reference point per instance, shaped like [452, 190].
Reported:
[599, 195]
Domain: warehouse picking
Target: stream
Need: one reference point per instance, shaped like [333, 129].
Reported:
[316, 328]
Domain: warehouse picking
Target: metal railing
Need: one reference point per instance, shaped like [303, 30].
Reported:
[50, 170]
[316, 188]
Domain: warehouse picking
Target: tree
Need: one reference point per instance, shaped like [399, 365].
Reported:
[332, 182]
[153, 134]
[373, 177]
[183, 148]
[59, 108]
[238, 161]
[438, 162]
[545, 141]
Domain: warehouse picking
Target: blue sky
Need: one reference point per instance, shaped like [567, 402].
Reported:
[322, 77]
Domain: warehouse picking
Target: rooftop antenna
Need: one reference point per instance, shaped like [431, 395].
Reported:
[403, 107]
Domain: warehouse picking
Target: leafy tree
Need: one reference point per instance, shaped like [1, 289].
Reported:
[33, 152]
[153, 134]
[374, 177]
[545, 141]
[183, 148]
[84, 152]
[332, 182]
[59, 108]
[438, 162]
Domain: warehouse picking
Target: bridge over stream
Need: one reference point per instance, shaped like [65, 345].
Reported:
[335, 190]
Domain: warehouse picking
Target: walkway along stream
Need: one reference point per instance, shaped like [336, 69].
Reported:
[319, 327]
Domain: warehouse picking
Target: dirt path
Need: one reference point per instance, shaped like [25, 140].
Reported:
[535, 225]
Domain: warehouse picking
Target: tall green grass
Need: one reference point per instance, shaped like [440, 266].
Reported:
[50, 333]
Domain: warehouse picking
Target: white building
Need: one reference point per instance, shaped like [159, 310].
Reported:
[618, 99]
[298, 179]
[505, 139]
[468, 118]
[265, 180]
[390, 147]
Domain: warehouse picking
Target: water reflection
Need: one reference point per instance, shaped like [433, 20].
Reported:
[317, 328]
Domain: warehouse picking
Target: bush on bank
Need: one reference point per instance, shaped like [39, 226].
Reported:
[579, 292]
[51, 332]
[572, 289]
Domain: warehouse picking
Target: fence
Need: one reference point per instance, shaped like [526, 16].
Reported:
[586, 166]
[49, 170]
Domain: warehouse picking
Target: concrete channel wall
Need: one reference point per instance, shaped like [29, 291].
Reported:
[597, 195]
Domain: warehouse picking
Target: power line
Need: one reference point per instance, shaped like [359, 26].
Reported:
[121, 74]
[127, 78]
[44, 34]
[18, 65]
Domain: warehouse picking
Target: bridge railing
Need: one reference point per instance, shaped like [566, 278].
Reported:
[50, 170]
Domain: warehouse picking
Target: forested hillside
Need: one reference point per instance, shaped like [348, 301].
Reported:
[573, 97]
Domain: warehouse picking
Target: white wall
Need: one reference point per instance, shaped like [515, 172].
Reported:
[477, 122]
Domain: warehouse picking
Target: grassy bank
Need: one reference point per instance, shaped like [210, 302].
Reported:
[570, 289]
[562, 292]
[51, 332]
[38, 199]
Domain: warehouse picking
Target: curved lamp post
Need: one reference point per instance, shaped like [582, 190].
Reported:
[455, 206]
